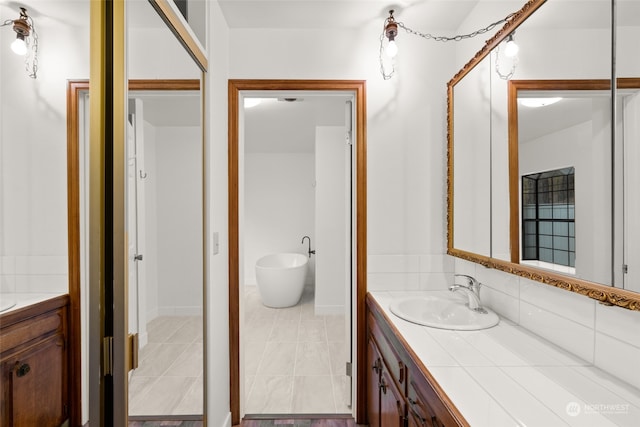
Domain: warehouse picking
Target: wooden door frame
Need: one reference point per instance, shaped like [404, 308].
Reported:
[74, 89]
[358, 88]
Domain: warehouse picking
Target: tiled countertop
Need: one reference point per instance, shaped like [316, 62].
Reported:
[25, 299]
[507, 376]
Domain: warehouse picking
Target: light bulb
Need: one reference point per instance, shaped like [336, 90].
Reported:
[392, 49]
[19, 46]
[251, 102]
[511, 48]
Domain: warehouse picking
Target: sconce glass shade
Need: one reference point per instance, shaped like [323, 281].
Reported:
[19, 46]
[511, 48]
[392, 49]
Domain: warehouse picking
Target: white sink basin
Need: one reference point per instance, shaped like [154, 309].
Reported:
[442, 313]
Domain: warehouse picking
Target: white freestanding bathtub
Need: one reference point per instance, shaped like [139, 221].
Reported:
[280, 279]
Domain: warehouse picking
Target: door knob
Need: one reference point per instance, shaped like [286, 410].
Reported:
[138, 257]
[22, 370]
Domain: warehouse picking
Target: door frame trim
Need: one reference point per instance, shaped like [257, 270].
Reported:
[358, 87]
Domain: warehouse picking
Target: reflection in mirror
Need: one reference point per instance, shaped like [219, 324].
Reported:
[194, 12]
[472, 133]
[573, 132]
[164, 221]
[552, 49]
[560, 134]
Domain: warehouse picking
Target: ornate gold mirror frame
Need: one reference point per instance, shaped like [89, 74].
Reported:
[605, 294]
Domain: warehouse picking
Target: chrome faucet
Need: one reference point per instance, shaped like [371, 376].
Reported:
[471, 290]
[310, 251]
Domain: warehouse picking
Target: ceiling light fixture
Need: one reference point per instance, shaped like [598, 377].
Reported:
[390, 32]
[539, 102]
[26, 37]
[251, 102]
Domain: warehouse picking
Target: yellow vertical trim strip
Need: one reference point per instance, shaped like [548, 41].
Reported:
[98, 13]
[120, 303]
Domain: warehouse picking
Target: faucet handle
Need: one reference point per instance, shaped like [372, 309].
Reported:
[470, 280]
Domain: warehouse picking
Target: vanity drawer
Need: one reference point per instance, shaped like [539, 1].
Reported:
[424, 404]
[24, 332]
[393, 362]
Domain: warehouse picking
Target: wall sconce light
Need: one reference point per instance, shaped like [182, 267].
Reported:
[511, 48]
[510, 54]
[26, 36]
[390, 32]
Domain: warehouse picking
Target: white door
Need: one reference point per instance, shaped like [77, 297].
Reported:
[132, 224]
[135, 223]
[333, 235]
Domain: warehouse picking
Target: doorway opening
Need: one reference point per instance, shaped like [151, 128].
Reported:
[288, 196]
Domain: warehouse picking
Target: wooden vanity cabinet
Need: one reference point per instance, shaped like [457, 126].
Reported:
[385, 401]
[401, 391]
[34, 365]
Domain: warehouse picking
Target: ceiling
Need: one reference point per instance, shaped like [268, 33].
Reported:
[347, 14]
[279, 126]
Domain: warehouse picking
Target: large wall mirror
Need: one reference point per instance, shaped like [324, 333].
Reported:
[540, 182]
[165, 214]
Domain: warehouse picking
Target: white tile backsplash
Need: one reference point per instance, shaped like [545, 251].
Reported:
[34, 274]
[506, 283]
[393, 281]
[619, 323]
[7, 284]
[409, 272]
[504, 304]
[7, 265]
[36, 265]
[42, 283]
[437, 263]
[435, 281]
[570, 305]
[618, 358]
[393, 263]
[575, 337]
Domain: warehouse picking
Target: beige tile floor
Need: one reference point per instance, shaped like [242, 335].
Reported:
[294, 360]
[168, 380]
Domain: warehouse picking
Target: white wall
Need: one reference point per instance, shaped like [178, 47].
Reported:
[332, 203]
[150, 184]
[279, 206]
[217, 268]
[179, 220]
[33, 174]
[173, 192]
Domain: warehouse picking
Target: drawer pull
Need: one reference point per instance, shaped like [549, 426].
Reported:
[376, 366]
[401, 365]
[23, 369]
[423, 420]
[383, 386]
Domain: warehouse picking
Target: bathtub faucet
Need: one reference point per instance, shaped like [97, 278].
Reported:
[310, 251]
